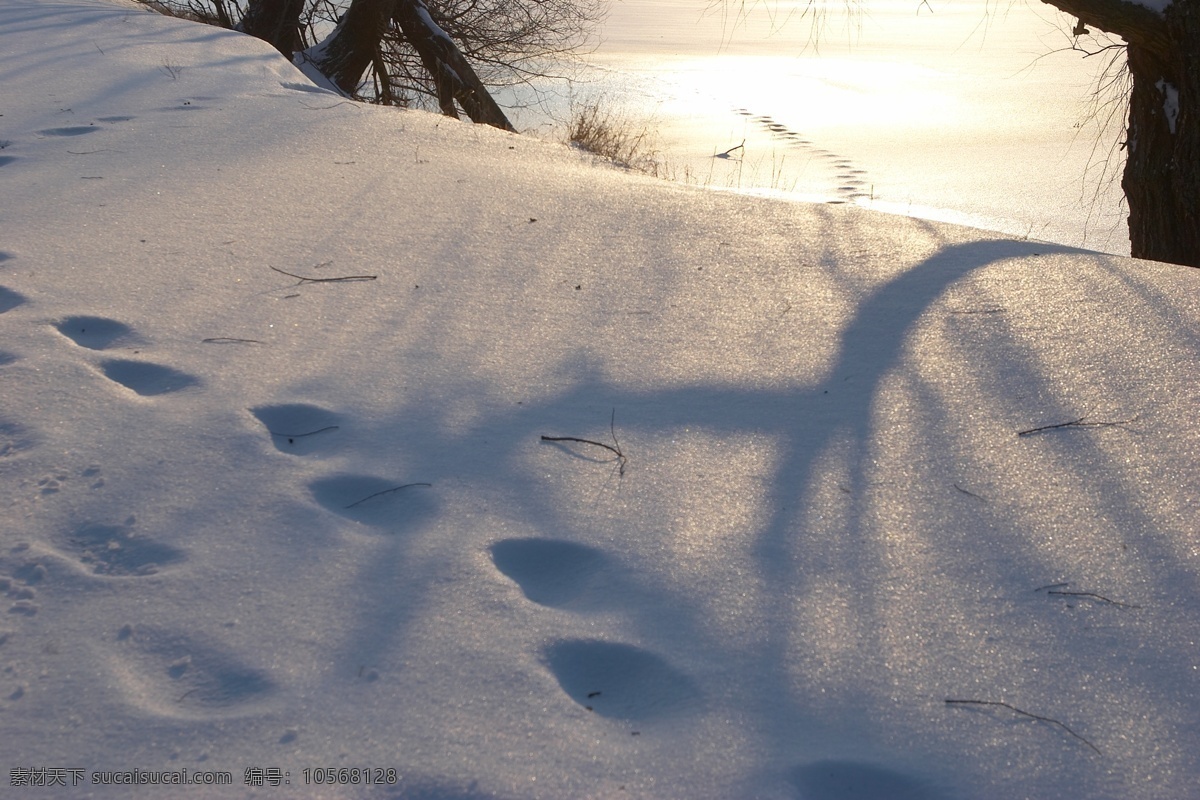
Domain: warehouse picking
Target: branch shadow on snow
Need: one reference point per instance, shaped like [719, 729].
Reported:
[797, 560]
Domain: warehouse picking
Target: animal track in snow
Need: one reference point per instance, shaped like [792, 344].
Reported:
[118, 550]
[848, 182]
[22, 575]
[6, 160]
[857, 780]
[620, 680]
[22, 593]
[143, 377]
[7, 358]
[382, 503]
[147, 379]
[70, 130]
[550, 572]
[611, 679]
[173, 674]
[52, 483]
[97, 333]
[9, 300]
[14, 438]
[92, 473]
[81, 130]
[56, 480]
[298, 428]
[187, 104]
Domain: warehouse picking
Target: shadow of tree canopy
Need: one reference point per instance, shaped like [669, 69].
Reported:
[800, 559]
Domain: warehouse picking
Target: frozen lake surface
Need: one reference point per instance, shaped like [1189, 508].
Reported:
[952, 111]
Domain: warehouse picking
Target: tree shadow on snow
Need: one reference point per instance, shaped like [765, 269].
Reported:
[806, 424]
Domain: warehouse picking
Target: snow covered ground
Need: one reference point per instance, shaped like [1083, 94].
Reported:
[262, 525]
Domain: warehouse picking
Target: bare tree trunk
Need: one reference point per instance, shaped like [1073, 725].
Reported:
[1162, 172]
[453, 76]
[354, 44]
[276, 22]
[222, 14]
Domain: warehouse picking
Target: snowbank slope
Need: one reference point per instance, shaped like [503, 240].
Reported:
[258, 522]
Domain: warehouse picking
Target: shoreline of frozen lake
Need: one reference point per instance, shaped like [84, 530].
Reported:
[960, 115]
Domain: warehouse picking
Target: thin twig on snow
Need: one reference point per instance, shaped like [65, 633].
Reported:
[1078, 423]
[386, 491]
[340, 279]
[1014, 709]
[622, 460]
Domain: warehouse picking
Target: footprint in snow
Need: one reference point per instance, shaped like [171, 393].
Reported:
[849, 180]
[551, 572]
[147, 379]
[298, 428]
[9, 300]
[70, 130]
[176, 675]
[19, 584]
[118, 550]
[98, 333]
[619, 680]
[187, 104]
[387, 504]
[143, 377]
[858, 780]
[15, 438]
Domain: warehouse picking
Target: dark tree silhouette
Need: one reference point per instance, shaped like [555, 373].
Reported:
[276, 22]
[1162, 169]
[400, 51]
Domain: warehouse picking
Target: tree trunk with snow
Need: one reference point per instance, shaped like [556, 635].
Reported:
[354, 46]
[346, 53]
[276, 22]
[453, 76]
[1162, 172]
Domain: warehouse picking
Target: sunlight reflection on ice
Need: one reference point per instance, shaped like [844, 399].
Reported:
[948, 112]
